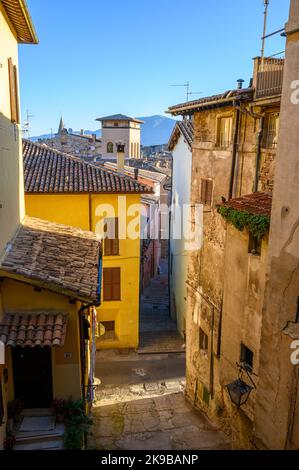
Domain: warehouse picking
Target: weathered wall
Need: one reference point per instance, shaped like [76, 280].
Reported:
[276, 418]
[243, 297]
[225, 283]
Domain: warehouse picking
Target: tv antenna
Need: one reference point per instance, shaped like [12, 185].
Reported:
[188, 92]
[266, 5]
[26, 125]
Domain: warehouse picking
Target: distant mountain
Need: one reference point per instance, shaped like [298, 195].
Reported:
[156, 130]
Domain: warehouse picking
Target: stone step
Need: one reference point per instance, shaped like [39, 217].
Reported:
[32, 412]
[41, 436]
[48, 445]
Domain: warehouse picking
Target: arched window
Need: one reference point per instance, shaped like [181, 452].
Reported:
[110, 147]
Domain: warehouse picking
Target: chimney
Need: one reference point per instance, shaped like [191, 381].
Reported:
[240, 83]
[82, 132]
[120, 155]
[94, 137]
[136, 172]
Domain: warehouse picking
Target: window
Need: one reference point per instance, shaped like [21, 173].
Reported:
[203, 341]
[270, 132]
[224, 133]
[111, 240]
[111, 284]
[246, 356]
[13, 91]
[255, 245]
[116, 124]
[109, 330]
[110, 148]
[132, 150]
[206, 192]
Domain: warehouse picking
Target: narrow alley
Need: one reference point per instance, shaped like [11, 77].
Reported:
[140, 403]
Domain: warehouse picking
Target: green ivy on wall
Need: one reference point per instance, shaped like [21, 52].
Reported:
[258, 225]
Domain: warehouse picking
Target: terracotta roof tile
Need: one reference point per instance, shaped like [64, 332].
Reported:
[49, 171]
[33, 329]
[45, 253]
[256, 204]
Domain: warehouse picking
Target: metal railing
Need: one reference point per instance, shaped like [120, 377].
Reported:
[269, 77]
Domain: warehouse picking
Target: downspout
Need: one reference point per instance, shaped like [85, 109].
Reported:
[258, 155]
[234, 155]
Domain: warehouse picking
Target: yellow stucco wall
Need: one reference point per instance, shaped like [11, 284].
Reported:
[11, 168]
[83, 210]
[66, 371]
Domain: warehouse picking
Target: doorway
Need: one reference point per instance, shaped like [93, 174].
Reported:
[32, 371]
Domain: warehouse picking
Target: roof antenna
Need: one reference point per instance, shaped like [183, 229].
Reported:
[188, 92]
[266, 4]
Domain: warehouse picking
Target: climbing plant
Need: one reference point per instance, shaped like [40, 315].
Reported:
[258, 225]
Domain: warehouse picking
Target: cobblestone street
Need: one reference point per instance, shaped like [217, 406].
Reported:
[158, 332]
[141, 405]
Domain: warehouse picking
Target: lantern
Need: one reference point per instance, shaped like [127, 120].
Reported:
[239, 392]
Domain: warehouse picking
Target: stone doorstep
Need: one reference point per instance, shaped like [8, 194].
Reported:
[48, 445]
[41, 436]
[35, 412]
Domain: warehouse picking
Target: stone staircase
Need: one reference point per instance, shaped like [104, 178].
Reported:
[40, 439]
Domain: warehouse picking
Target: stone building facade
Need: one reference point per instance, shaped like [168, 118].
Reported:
[233, 156]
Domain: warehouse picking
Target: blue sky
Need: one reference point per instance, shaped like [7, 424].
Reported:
[103, 57]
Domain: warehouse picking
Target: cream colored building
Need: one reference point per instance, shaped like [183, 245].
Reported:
[181, 146]
[120, 128]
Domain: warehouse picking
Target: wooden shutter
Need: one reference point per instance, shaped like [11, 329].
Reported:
[111, 284]
[13, 92]
[111, 244]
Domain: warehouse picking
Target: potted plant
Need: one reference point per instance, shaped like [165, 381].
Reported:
[9, 442]
[15, 408]
[59, 408]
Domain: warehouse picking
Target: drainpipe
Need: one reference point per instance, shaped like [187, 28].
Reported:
[234, 155]
[258, 155]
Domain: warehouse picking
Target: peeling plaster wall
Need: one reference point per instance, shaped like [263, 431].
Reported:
[222, 269]
[277, 418]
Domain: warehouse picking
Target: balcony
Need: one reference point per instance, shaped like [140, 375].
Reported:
[268, 77]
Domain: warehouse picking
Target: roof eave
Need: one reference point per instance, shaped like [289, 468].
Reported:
[47, 286]
[22, 12]
[29, 22]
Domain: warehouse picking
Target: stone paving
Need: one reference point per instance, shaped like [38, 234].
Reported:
[148, 414]
[158, 332]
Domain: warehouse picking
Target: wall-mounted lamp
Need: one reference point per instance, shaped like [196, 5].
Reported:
[239, 391]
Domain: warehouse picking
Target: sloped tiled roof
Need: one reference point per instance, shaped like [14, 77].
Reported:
[259, 203]
[154, 175]
[119, 117]
[184, 128]
[215, 100]
[59, 258]
[49, 171]
[31, 329]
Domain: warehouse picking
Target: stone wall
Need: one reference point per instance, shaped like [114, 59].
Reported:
[225, 286]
